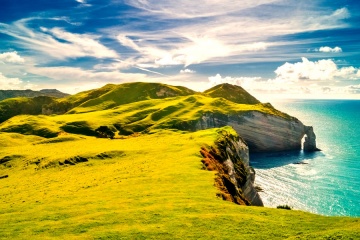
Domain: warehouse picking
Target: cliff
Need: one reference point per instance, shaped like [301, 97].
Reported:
[263, 132]
[235, 178]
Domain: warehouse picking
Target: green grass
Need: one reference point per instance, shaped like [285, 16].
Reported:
[146, 187]
[232, 93]
[180, 112]
[112, 95]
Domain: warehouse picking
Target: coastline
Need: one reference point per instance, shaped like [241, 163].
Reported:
[327, 184]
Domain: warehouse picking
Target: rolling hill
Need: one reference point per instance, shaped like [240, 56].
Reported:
[4, 94]
[232, 93]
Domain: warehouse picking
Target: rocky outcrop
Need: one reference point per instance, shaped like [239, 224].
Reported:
[263, 132]
[310, 140]
[235, 178]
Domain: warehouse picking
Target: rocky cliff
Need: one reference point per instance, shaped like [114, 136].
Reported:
[263, 132]
[235, 178]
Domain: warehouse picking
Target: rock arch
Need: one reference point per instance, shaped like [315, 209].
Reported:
[310, 139]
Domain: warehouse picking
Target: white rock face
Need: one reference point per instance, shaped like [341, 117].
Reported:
[262, 132]
[238, 151]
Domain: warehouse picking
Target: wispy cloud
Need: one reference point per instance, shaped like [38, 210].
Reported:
[70, 74]
[219, 31]
[194, 9]
[57, 42]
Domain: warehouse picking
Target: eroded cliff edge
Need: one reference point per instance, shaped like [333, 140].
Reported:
[263, 132]
[229, 156]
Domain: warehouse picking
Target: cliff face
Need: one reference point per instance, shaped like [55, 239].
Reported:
[263, 132]
[235, 178]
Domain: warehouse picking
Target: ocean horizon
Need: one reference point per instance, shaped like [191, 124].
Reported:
[324, 182]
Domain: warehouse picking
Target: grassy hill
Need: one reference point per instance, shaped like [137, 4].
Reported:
[232, 93]
[17, 106]
[145, 187]
[142, 116]
[112, 95]
[4, 94]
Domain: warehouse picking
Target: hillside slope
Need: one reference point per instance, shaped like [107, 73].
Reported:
[17, 106]
[145, 187]
[4, 94]
[111, 95]
[232, 93]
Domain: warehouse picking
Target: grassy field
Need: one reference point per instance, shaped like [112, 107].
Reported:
[143, 187]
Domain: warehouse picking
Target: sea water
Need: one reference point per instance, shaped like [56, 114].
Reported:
[325, 182]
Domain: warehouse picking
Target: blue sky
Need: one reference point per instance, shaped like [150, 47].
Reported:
[274, 49]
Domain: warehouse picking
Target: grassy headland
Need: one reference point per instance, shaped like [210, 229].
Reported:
[63, 182]
[145, 187]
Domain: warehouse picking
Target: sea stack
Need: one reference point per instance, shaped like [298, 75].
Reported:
[310, 140]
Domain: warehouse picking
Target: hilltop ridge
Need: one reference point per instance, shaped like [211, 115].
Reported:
[232, 93]
[5, 94]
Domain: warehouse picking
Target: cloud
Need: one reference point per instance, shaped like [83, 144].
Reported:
[194, 9]
[57, 42]
[11, 57]
[329, 50]
[322, 70]
[311, 79]
[127, 42]
[187, 70]
[84, 44]
[189, 49]
[353, 89]
[251, 84]
[219, 31]
[9, 83]
[69, 74]
[218, 79]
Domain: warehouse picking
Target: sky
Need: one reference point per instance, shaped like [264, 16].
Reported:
[272, 48]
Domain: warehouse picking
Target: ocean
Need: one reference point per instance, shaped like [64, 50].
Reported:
[327, 182]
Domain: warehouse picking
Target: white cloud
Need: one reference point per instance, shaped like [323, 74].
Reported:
[187, 70]
[329, 50]
[83, 3]
[322, 70]
[248, 83]
[9, 83]
[306, 79]
[11, 57]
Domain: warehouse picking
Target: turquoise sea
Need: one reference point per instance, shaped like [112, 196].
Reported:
[328, 182]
